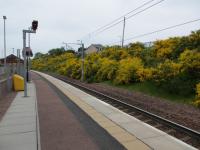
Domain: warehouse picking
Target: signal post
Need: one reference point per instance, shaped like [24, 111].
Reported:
[27, 52]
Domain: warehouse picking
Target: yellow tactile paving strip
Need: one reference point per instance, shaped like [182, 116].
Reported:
[128, 140]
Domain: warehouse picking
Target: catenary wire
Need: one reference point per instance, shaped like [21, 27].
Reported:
[160, 30]
[100, 28]
[129, 17]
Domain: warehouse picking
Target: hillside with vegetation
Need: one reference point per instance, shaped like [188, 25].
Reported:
[171, 65]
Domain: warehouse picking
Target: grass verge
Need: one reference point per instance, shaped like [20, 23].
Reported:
[150, 89]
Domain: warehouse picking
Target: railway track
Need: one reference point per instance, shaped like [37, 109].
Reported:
[183, 133]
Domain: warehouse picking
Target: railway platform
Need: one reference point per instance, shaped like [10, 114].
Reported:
[19, 126]
[59, 116]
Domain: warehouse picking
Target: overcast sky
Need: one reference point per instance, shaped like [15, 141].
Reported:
[70, 20]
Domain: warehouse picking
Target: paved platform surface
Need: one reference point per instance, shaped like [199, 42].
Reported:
[18, 127]
[129, 131]
[64, 126]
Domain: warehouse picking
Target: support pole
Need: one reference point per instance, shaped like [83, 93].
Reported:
[4, 18]
[29, 45]
[82, 64]
[29, 38]
[18, 61]
[123, 32]
[34, 28]
[27, 67]
[24, 55]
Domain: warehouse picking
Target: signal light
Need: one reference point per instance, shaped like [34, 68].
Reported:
[34, 25]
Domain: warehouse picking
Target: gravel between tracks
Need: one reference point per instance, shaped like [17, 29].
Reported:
[183, 114]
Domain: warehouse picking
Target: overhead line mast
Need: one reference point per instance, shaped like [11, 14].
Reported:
[123, 32]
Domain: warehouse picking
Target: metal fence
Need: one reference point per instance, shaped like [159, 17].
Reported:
[2, 73]
[6, 74]
[1, 70]
[11, 69]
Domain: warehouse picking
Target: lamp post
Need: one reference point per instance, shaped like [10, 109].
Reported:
[4, 18]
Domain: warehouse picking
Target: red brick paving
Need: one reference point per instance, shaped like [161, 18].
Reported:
[59, 128]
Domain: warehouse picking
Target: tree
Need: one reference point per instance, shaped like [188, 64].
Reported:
[114, 53]
[80, 49]
[56, 51]
[70, 51]
[38, 55]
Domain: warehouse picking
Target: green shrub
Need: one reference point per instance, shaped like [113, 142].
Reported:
[126, 72]
[197, 101]
[107, 69]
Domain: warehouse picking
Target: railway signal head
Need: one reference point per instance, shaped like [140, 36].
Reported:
[34, 25]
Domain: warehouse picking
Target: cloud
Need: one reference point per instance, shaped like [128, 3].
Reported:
[67, 20]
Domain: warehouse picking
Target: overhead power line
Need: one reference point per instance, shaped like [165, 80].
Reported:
[145, 9]
[100, 28]
[130, 16]
[124, 15]
[160, 30]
